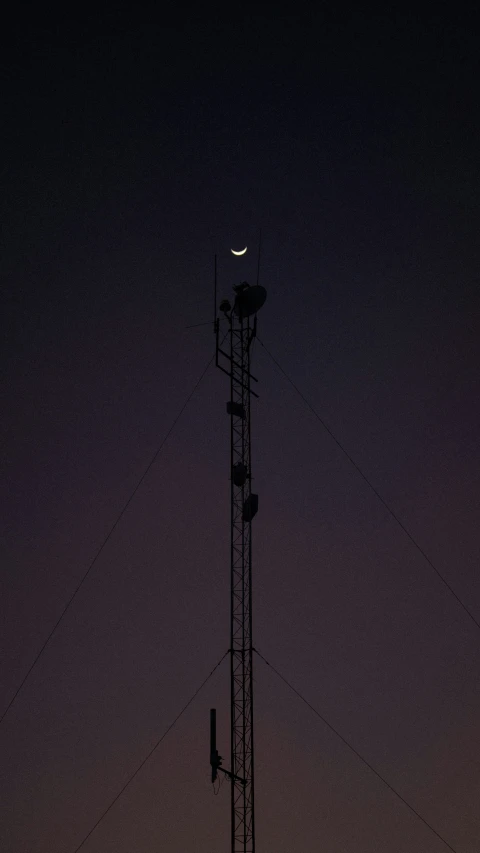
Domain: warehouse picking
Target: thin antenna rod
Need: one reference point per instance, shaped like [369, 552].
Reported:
[215, 293]
[213, 730]
[213, 744]
[259, 253]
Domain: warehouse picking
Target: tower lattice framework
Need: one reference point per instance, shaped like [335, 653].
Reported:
[244, 505]
[241, 651]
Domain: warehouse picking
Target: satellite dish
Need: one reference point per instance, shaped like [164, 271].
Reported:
[249, 299]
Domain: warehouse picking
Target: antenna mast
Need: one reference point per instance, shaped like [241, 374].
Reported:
[241, 329]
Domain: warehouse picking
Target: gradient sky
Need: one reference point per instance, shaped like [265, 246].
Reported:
[132, 151]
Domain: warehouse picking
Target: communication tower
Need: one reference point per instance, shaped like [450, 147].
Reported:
[240, 323]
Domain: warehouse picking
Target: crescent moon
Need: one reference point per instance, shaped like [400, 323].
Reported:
[238, 253]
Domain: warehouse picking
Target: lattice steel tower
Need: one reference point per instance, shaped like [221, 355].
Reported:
[241, 323]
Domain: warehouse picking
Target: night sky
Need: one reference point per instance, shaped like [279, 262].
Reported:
[133, 150]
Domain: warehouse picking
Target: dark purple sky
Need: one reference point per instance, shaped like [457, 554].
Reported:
[131, 152]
